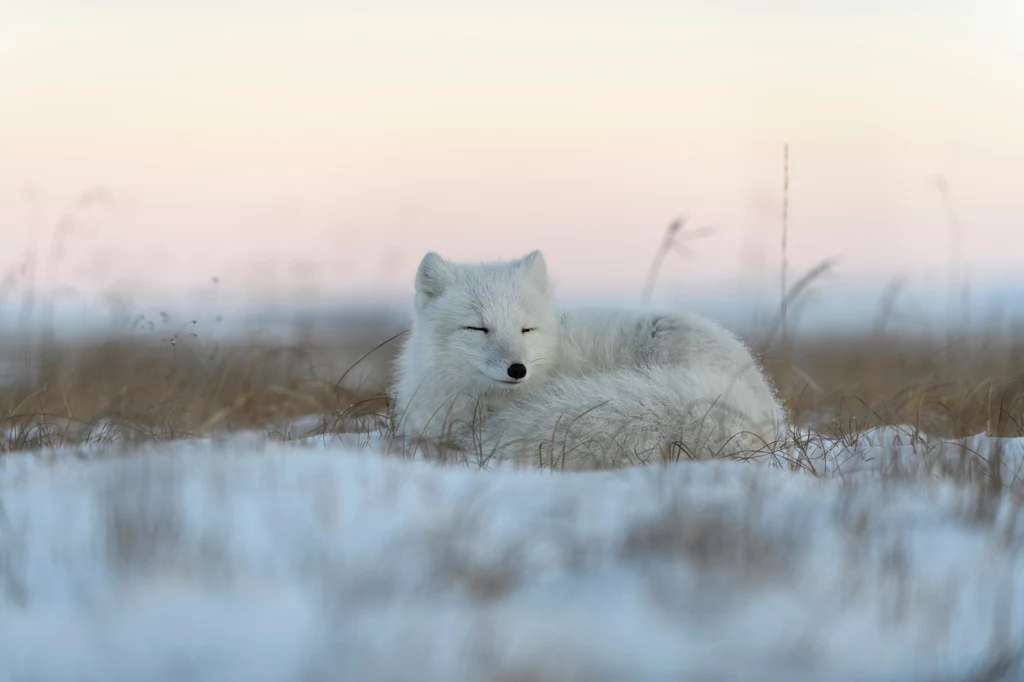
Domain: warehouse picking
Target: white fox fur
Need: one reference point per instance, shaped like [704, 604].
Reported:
[602, 387]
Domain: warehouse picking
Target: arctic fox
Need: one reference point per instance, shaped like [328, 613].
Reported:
[492, 369]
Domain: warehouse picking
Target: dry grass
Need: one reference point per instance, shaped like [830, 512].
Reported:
[131, 389]
[845, 385]
[134, 389]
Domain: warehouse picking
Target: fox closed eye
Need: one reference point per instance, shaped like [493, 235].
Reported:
[485, 329]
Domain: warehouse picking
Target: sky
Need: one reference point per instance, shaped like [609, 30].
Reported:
[317, 150]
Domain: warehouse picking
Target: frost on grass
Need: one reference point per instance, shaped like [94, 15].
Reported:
[252, 560]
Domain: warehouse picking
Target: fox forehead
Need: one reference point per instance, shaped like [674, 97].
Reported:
[491, 281]
[496, 304]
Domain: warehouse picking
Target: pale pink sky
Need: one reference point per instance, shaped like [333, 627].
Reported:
[316, 148]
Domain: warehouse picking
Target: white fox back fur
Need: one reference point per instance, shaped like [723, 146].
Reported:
[492, 369]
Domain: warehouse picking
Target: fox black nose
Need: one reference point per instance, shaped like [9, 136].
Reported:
[517, 371]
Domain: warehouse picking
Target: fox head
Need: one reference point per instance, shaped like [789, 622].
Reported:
[489, 327]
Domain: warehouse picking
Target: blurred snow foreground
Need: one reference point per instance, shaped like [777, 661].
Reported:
[254, 560]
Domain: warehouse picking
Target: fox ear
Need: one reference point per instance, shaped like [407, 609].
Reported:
[432, 278]
[535, 270]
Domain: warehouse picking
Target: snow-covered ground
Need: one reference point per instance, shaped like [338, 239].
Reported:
[252, 560]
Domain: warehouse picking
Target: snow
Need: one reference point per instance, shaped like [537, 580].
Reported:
[249, 559]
